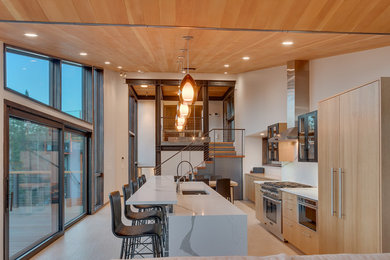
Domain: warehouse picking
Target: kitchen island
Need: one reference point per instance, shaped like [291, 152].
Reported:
[201, 224]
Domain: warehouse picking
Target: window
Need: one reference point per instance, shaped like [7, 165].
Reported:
[28, 74]
[72, 90]
[63, 85]
[74, 174]
[33, 184]
[46, 178]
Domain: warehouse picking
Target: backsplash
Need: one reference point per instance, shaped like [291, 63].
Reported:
[302, 172]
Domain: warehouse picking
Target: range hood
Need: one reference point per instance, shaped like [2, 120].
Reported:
[298, 99]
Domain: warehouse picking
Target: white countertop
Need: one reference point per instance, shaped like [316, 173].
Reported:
[261, 182]
[158, 190]
[310, 193]
[203, 205]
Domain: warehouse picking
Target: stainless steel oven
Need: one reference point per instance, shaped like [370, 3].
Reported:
[272, 212]
[307, 213]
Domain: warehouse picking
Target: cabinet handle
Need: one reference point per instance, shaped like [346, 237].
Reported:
[331, 192]
[340, 193]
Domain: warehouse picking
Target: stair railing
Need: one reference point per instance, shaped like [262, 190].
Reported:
[215, 135]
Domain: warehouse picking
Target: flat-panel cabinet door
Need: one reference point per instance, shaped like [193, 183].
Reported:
[330, 227]
[360, 164]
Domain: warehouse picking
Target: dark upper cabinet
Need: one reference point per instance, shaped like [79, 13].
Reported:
[273, 148]
[307, 137]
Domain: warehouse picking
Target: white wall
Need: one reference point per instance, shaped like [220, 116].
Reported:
[170, 167]
[261, 100]
[216, 120]
[146, 133]
[332, 75]
[116, 132]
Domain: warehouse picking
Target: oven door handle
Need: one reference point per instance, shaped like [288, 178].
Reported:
[307, 205]
[273, 200]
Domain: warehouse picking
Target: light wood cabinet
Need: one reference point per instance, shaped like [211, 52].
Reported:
[250, 185]
[354, 173]
[259, 203]
[299, 236]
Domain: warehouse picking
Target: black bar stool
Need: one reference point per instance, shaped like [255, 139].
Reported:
[155, 215]
[133, 188]
[223, 188]
[131, 234]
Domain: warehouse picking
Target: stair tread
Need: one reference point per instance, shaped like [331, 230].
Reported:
[227, 156]
[209, 162]
[221, 142]
[223, 147]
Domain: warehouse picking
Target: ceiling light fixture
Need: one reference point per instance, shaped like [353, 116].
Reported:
[107, 62]
[188, 87]
[119, 67]
[31, 35]
[225, 72]
[287, 43]
[144, 86]
[226, 65]
[183, 110]
[83, 53]
[246, 58]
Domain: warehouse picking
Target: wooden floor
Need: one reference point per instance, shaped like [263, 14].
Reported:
[91, 238]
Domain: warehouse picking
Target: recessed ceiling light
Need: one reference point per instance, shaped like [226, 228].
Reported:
[32, 35]
[245, 58]
[83, 54]
[144, 86]
[262, 134]
[107, 62]
[119, 67]
[139, 71]
[287, 43]
[225, 72]
[226, 65]
[183, 71]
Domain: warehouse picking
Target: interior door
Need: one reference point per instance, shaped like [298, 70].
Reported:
[360, 164]
[329, 226]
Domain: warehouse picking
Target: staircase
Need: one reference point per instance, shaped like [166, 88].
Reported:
[221, 159]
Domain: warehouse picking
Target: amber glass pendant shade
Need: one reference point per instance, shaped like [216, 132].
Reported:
[183, 110]
[188, 90]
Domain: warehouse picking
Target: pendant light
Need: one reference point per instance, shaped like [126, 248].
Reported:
[183, 110]
[188, 88]
[180, 120]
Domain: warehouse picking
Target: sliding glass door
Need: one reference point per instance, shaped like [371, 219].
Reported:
[75, 175]
[46, 177]
[33, 184]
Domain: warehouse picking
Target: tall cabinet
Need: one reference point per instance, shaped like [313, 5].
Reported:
[354, 173]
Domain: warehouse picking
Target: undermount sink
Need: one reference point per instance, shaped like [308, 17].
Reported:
[194, 192]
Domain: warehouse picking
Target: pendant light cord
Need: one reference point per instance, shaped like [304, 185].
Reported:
[188, 56]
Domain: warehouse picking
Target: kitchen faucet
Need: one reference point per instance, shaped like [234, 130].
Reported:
[177, 174]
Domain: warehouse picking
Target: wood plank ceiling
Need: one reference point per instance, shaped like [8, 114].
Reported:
[157, 49]
[307, 15]
[147, 47]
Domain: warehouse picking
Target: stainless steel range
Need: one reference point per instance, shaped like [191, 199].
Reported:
[272, 205]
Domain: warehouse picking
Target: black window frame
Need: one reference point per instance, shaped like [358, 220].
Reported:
[55, 81]
[12, 109]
